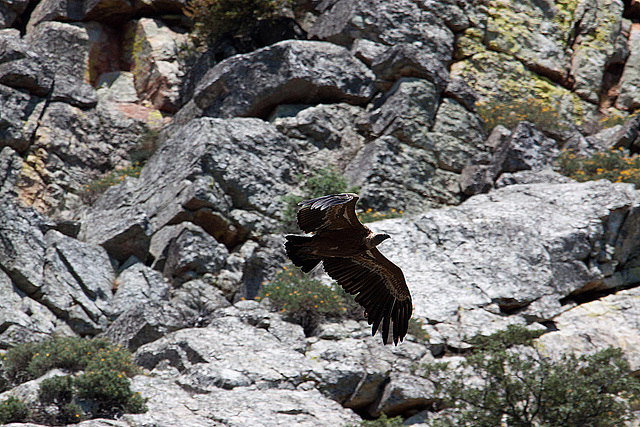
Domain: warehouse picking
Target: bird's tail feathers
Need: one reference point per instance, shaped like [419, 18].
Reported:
[296, 251]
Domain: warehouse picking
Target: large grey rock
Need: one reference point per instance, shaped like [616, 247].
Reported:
[280, 74]
[77, 284]
[21, 67]
[23, 246]
[137, 285]
[408, 110]
[395, 175]
[192, 253]
[71, 149]
[157, 314]
[144, 323]
[533, 32]
[326, 133]
[18, 118]
[629, 95]
[524, 149]
[152, 52]
[412, 41]
[215, 357]
[200, 175]
[123, 232]
[22, 319]
[75, 52]
[599, 25]
[524, 247]
[170, 404]
[608, 322]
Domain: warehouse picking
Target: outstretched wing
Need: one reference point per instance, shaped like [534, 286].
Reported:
[333, 212]
[380, 287]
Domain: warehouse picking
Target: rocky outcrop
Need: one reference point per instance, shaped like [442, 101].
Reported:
[553, 253]
[143, 184]
[281, 75]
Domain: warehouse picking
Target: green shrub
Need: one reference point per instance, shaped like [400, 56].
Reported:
[105, 381]
[215, 18]
[382, 421]
[508, 114]
[115, 359]
[57, 390]
[60, 391]
[499, 385]
[13, 410]
[304, 300]
[71, 413]
[616, 165]
[324, 181]
[31, 360]
[111, 391]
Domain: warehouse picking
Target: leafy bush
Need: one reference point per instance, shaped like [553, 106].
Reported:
[506, 381]
[616, 165]
[31, 360]
[111, 391]
[325, 181]
[13, 410]
[57, 390]
[104, 382]
[304, 300]
[214, 18]
[508, 114]
[71, 413]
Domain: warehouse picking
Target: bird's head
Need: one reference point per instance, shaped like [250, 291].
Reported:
[379, 238]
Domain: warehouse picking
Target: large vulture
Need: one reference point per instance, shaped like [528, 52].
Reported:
[349, 255]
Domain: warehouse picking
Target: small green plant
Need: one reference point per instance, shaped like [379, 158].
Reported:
[505, 381]
[613, 119]
[369, 215]
[71, 413]
[325, 181]
[304, 300]
[13, 410]
[90, 192]
[416, 328]
[214, 18]
[508, 114]
[382, 421]
[616, 165]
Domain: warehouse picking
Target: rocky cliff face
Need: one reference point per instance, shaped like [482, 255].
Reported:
[167, 260]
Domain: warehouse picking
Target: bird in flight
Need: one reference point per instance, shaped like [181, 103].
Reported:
[349, 255]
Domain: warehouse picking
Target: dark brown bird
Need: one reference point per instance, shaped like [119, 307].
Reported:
[349, 255]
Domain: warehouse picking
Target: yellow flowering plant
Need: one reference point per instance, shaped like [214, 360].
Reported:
[305, 300]
[615, 164]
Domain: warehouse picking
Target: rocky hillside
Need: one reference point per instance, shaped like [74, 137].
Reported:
[144, 176]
